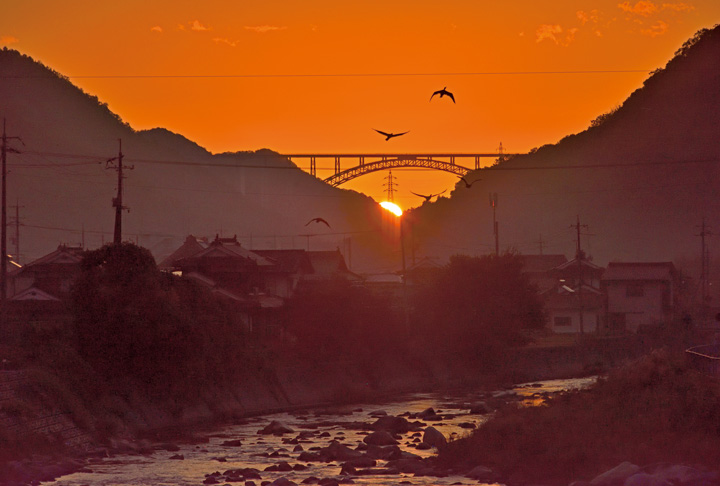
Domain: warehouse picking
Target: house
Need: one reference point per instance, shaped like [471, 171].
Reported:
[328, 265]
[53, 274]
[257, 311]
[190, 246]
[537, 269]
[575, 302]
[640, 295]
[290, 267]
[227, 264]
[422, 272]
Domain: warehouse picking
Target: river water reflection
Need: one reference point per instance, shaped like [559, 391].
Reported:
[318, 427]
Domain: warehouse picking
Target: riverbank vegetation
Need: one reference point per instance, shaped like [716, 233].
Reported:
[651, 410]
[135, 337]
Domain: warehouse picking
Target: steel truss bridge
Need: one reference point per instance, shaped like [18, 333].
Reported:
[367, 163]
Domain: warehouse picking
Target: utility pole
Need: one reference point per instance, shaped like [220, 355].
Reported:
[117, 202]
[4, 149]
[704, 270]
[17, 224]
[579, 258]
[493, 205]
[541, 244]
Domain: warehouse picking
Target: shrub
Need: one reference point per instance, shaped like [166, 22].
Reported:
[652, 410]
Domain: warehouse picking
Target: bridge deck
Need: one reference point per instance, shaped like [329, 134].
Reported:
[370, 162]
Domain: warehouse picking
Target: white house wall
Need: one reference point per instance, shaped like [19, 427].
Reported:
[639, 311]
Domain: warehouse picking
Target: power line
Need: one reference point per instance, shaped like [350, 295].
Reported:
[332, 75]
[608, 165]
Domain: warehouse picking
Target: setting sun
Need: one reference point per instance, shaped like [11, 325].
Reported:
[392, 207]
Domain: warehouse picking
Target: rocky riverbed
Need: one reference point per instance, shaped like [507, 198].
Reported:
[370, 443]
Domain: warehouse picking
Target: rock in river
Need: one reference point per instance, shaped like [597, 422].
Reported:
[434, 437]
[380, 438]
[276, 428]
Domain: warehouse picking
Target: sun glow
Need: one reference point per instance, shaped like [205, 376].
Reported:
[392, 207]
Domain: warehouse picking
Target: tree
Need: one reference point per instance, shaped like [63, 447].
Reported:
[476, 307]
[125, 322]
[336, 318]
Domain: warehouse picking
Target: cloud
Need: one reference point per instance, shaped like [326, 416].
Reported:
[556, 34]
[678, 7]
[643, 7]
[157, 28]
[549, 32]
[197, 26]
[6, 40]
[658, 28]
[585, 17]
[261, 29]
[591, 20]
[221, 40]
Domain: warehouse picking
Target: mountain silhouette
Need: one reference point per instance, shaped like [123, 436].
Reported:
[642, 177]
[175, 188]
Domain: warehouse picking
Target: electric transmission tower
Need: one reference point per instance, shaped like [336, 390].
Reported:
[390, 186]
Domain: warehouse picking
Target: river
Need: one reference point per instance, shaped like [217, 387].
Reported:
[190, 463]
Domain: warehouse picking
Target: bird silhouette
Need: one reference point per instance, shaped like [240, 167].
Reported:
[428, 197]
[388, 136]
[443, 92]
[469, 184]
[318, 220]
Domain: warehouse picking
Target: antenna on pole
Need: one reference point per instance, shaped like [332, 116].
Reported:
[117, 201]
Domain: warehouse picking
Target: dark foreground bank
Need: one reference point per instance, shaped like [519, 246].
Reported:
[49, 426]
[648, 414]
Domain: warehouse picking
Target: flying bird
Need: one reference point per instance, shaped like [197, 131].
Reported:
[429, 196]
[469, 184]
[443, 92]
[388, 136]
[318, 220]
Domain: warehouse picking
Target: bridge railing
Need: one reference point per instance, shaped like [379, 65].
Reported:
[359, 159]
[705, 359]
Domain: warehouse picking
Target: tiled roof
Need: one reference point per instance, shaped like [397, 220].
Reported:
[228, 250]
[573, 263]
[34, 293]
[190, 247]
[64, 255]
[289, 261]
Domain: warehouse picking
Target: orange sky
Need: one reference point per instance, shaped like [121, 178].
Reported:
[422, 42]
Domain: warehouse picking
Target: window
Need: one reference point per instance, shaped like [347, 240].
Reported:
[634, 290]
[562, 321]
